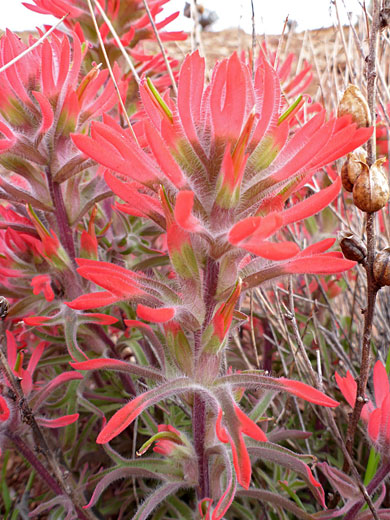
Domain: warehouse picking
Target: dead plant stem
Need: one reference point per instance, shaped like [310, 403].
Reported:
[372, 288]
[317, 383]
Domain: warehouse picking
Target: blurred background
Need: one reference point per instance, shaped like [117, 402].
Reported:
[225, 14]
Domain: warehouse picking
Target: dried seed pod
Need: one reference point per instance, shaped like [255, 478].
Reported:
[382, 267]
[371, 189]
[384, 18]
[355, 160]
[352, 168]
[352, 246]
[4, 307]
[347, 184]
[354, 103]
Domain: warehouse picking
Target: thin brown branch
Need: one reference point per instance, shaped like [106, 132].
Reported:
[372, 288]
[167, 64]
[317, 383]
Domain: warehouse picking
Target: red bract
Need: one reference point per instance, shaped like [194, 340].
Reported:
[165, 446]
[376, 416]
[120, 282]
[214, 171]
[44, 97]
[4, 411]
[234, 437]
[15, 361]
[230, 157]
[128, 17]
[42, 283]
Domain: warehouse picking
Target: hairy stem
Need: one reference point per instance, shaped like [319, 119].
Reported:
[30, 456]
[51, 482]
[199, 428]
[210, 283]
[210, 288]
[71, 282]
[66, 234]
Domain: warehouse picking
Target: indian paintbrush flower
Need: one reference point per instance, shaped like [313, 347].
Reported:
[213, 178]
[209, 170]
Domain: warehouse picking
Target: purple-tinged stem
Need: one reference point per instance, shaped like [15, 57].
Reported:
[51, 482]
[28, 454]
[66, 234]
[210, 283]
[199, 429]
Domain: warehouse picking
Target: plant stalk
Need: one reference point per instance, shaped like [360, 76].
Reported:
[64, 229]
[372, 287]
[29, 455]
[379, 477]
[210, 281]
[51, 482]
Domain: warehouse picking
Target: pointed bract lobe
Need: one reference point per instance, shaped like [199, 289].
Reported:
[191, 82]
[114, 278]
[348, 388]
[121, 284]
[381, 383]
[183, 211]
[228, 109]
[159, 315]
[267, 87]
[59, 422]
[307, 392]
[232, 434]
[249, 234]
[313, 204]
[121, 419]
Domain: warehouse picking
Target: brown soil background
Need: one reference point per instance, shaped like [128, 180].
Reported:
[324, 49]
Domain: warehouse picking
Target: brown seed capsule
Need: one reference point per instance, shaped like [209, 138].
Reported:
[371, 189]
[352, 168]
[354, 103]
[347, 184]
[382, 267]
[384, 18]
[352, 246]
[4, 307]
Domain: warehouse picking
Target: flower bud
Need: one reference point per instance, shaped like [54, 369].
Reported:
[381, 267]
[371, 189]
[353, 103]
[352, 168]
[352, 246]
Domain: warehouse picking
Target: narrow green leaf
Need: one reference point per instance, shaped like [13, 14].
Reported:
[372, 466]
[291, 493]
